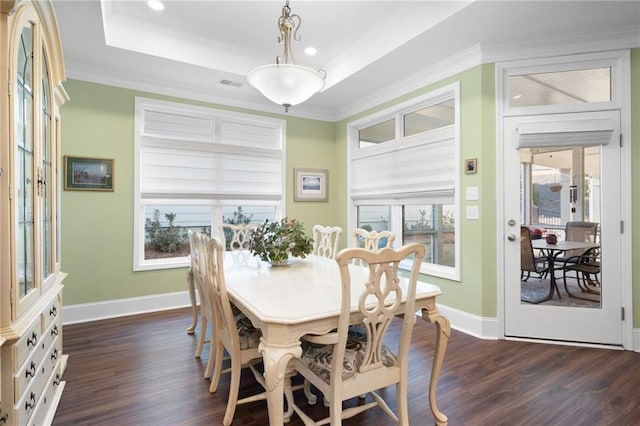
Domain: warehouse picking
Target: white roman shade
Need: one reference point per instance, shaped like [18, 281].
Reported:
[565, 133]
[421, 170]
[215, 173]
[190, 152]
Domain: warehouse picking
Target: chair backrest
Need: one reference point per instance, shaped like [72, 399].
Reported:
[527, 258]
[372, 240]
[325, 240]
[584, 232]
[379, 303]
[199, 271]
[236, 237]
[225, 323]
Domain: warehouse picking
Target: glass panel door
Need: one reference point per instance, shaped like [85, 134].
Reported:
[24, 166]
[556, 189]
[45, 180]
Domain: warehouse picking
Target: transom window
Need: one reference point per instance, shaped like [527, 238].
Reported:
[562, 87]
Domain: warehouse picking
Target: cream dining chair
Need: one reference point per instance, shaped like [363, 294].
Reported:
[353, 361]
[326, 240]
[197, 273]
[236, 236]
[234, 332]
[371, 240]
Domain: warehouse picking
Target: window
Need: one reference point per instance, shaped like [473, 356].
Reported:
[576, 83]
[197, 168]
[557, 88]
[377, 133]
[403, 176]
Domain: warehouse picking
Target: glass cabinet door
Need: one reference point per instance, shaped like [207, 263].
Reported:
[25, 161]
[45, 181]
[35, 154]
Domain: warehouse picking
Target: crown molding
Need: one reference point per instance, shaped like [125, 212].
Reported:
[622, 38]
[587, 42]
[455, 64]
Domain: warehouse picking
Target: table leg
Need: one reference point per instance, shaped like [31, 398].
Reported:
[553, 285]
[276, 358]
[443, 328]
[194, 306]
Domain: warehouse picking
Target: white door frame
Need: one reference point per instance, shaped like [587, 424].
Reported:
[621, 100]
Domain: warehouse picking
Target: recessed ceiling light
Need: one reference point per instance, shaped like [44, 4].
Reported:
[310, 51]
[155, 5]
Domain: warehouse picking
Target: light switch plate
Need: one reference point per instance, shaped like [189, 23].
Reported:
[471, 193]
[473, 212]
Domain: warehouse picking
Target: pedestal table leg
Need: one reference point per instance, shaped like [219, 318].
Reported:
[276, 358]
[442, 338]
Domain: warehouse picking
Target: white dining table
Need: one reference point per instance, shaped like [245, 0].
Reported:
[304, 297]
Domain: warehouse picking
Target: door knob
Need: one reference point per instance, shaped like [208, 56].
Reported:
[511, 237]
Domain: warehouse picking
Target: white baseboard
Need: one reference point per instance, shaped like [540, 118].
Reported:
[636, 339]
[474, 325]
[85, 312]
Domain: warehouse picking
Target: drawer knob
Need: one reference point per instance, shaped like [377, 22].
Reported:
[4, 418]
[33, 340]
[56, 382]
[54, 330]
[31, 371]
[30, 403]
[54, 354]
[53, 311]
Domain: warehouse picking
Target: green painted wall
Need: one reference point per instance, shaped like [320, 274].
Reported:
[97, 227]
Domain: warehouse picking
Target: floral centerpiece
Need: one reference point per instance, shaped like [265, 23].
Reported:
[273, 242]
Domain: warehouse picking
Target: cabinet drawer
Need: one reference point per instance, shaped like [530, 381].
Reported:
[45, 355]
[27, 344]
[26, 405]
[27, 374]
[51, 313]
[52, 358]
[50, 334]
[50, 398]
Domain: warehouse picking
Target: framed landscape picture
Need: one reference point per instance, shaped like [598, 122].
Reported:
[88, 174]
[310, 185]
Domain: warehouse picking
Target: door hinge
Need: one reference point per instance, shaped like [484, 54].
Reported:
[621, 143]
[622, 313]
[622, 226]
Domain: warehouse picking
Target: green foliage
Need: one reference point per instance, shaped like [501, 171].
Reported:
[274, 241]
[165, 239]
[421, 224]
[448, 220]
[239, 218]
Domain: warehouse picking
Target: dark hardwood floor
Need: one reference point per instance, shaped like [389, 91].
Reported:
[141, 370]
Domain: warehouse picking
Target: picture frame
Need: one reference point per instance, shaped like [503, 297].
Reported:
[471, 166]
[88, 174]
[310, 184]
